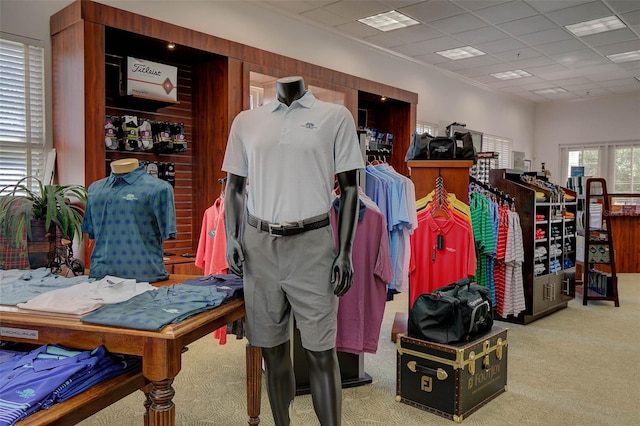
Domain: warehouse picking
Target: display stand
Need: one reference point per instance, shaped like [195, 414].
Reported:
[598, 253]
[455, 174]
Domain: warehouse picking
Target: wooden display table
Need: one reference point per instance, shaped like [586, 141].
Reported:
[161, 353]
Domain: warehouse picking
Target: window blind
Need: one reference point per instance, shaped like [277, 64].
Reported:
[502, 146]
[22, 121]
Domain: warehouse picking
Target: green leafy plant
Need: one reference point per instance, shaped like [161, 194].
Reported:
[61, 205]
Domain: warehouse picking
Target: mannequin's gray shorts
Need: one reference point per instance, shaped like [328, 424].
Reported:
[285, 274]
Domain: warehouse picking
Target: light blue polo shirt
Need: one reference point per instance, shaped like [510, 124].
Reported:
[291, 155]
[129, 216]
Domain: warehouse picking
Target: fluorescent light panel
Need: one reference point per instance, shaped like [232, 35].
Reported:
[461, 53]
[596, 26]
[550, 91]
[509, 75]
[633, 55]
[387, 21]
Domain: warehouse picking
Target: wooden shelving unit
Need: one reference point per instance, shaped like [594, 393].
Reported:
[599, 279]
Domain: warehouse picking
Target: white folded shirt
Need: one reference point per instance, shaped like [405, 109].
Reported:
[88, 296]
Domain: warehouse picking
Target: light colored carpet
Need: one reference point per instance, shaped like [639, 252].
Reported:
[579, 366]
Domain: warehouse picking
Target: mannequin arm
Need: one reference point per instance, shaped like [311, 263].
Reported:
[233, 214]
[342, 268]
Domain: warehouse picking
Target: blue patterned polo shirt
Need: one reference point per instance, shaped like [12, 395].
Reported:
[129, 216]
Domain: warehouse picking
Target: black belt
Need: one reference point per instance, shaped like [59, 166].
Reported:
[284, 229]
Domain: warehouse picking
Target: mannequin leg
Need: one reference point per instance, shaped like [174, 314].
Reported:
[326, 386]
[281, 384]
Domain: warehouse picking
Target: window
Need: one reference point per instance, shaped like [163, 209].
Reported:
[502, 146]
[618, 163]
[22, 121]
[626, 177]
[423, 126]
[587, 158]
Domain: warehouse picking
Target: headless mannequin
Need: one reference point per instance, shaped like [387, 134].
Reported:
[124, 166]
[324, 370]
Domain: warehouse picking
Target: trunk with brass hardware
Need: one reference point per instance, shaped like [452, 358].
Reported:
[452, 381]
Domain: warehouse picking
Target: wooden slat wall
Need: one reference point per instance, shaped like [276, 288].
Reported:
[181, 112]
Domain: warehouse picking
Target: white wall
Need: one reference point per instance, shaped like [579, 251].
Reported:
[613, 118]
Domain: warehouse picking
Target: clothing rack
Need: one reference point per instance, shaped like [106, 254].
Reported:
[473, 182]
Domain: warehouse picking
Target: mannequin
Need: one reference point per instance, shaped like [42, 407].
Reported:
[324, 372]
[129, 214]
[125, 165]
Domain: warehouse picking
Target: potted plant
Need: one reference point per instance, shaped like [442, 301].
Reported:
[40, 212]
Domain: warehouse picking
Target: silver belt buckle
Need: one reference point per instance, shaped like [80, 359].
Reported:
[275, 226]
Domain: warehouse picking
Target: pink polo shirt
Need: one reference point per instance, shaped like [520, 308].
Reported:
[212, 246]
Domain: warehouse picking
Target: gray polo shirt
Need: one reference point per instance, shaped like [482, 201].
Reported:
[290, 156]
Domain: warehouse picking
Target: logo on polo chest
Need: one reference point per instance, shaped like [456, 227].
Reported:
[130, 197]
[309, 126]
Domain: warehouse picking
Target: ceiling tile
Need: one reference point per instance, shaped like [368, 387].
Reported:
[498, 46]
[568, 58]
[596, 91]
[609, 75]
[542, 72]
[518, 54]
[629, 81]
[409, 50]
[601, 70]
[506, 12]
[546, 36]
[396, 4]
[632, 18]
[325, 17]
[478, 4]
[630, 65]
[357, 29]
[541, 61]
[588, 63]
[560, 46]
[609, 37]
[527, 25]
[458, 23]
[561, 74]
[384, 40]
[549, 5]
[438, 44]
[357, 9]
[299, 6]
[625, 89]
[582, 87]
[622, 6]
[625, 46]
[481, 35]
[431, 10]
[571, 81]
[416, 33]
[581, 13]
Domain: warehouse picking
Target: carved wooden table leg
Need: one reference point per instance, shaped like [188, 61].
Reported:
[162, 411]
[147, 402]
[254, 383]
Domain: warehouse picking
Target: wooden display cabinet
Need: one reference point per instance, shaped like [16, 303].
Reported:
[89, 39]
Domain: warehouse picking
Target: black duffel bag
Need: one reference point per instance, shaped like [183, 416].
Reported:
[453, 313]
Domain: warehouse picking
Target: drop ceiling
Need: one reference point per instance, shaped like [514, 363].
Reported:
[514, 35]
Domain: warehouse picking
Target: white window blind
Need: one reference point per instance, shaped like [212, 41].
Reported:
[423, 126]
[589, 158]
[22, 120]
[502, 146]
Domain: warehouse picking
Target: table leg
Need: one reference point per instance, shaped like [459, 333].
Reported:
[254, 383]
[147, 402]
[162, 411]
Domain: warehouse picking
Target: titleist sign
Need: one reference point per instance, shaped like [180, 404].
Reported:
[152, 80]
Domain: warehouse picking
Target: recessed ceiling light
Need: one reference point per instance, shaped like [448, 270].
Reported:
[633, 55]
[171, 45]
[508, 75]
[550, 91]
[461, 53]
[387, 21]
[596, 26]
